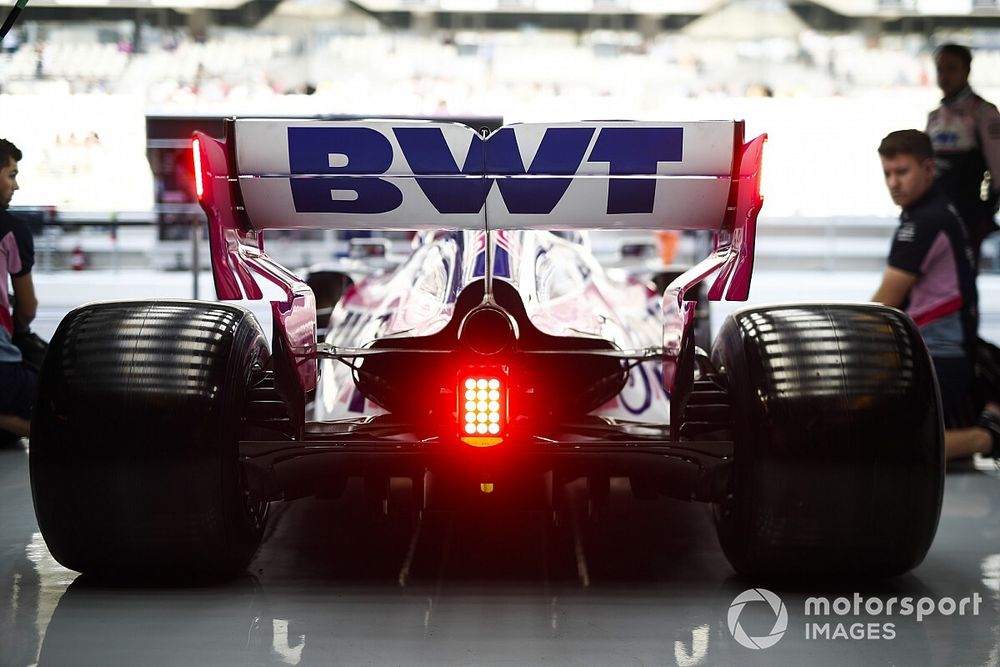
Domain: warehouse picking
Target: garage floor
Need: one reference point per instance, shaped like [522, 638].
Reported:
[644, 584]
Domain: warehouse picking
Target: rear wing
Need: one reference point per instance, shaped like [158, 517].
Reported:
[423, 175]
[419, 175]
[406, 174]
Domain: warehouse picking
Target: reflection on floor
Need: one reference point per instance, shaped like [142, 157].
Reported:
[642, 583]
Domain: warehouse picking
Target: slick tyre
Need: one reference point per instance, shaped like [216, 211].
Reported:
[134, 444]
[838, 463]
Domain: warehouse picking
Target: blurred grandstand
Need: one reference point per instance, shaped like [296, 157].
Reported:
[825, 78]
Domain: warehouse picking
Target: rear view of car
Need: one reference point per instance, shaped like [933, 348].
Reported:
[499, 359]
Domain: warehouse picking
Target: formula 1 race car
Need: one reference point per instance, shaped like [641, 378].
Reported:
[498, 360]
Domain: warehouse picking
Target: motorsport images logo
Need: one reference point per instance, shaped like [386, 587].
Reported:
[853, 618]
[780, 618]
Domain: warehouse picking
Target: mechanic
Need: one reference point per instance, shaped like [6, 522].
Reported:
[18, 381]
[930, 274]
[965, 132]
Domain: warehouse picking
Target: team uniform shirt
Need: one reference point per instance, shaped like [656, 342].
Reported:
[965, 133]
[17, 256]
[931, 242]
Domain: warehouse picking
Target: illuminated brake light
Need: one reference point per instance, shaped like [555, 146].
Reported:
[482, 407]
[199, 183]
[760, 177]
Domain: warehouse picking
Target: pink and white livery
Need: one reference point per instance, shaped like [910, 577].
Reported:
[494, 365]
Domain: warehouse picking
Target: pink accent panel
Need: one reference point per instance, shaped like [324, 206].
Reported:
[238, 252]
[295, 319]
[732, 262]
[297, 326]
[10, 263]
[738, 243]
[748, 204]
[726, 249]
[239, 266]
[228, 239]
[10, 255]
[939, 282]
[678, 314]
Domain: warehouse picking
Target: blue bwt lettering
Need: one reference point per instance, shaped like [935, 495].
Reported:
[341, 150]
[327, 152]
[311, 150]
[560, 153]
[635, 151]
[345, 194]
[428, 154]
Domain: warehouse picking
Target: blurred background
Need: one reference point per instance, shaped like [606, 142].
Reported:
[101, 95]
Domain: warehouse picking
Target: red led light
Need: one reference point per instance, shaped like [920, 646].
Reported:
[758, 185]
[482, 407]
[199, 184]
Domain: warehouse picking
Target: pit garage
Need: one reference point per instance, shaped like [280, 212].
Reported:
[502, 385]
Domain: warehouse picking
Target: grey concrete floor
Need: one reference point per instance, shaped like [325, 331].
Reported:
[646, 584]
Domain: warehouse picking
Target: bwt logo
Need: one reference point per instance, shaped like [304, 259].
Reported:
[356, 152]
[780, 618]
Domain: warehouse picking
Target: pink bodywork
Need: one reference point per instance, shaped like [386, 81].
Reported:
[237, 249]
[731, 261]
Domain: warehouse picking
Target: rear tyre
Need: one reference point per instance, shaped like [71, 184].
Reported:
[134, 446]
[839, 448]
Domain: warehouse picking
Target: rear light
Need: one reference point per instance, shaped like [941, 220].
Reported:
[482, 406]
[758, 186]
[199, 177]
[751, 173]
